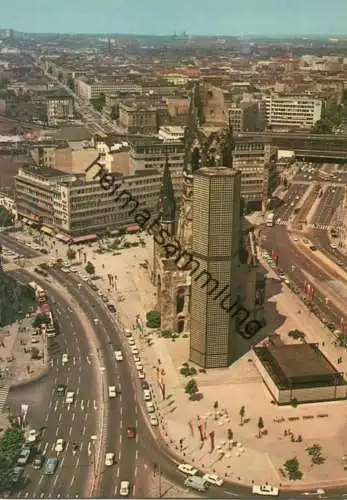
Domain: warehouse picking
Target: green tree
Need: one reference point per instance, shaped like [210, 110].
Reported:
[90, 269]
[71, 83]
[114, 113]
[34, 353]
[10, 446]
[153, 319]
[296, 334]
[191, 388]
[71, 254]
[230, 437]
[315, 452]
[293, 469]
[40, 319]
[242, 414]
[260, 425]
[6, 218]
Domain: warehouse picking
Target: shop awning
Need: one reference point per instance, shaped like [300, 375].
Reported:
[82, 239]
[134, 228]
[47, 230]
[44, 309]
[63, 237]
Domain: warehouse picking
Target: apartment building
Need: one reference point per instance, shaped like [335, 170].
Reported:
[256, 160]
[246, 117]
[59, 107]
[171, 133]
[91, 89]
[77, 204]
[151, 153]
[136, 118]
[299, 112]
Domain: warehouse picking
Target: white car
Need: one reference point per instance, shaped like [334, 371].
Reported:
[65, 358]
[213, 479]
[70, 397]
[134, 350]
[141, 375]
[154, 420]
[147, 395]
[137, 359]
[333, 245]
[139, 367]
[131, 341]
[187, 469]
[112, 391]
[118, 355]
[32, 436]
[124, 488]
[128, 333]
[265, 489]
[59, 445]
[150, 407]
[109, 459]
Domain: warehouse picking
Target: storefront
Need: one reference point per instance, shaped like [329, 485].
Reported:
[88, 238]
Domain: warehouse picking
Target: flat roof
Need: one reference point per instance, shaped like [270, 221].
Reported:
[216, 171]
[46, 172]
[301, 360]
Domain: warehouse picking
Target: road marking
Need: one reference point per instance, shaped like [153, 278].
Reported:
[230, 493]
[84, 429]
[82, 405]
[41, 478]
[57, 431]
[60, 415]
[88, 361]
[73, 416]
[137, 454]
[56, 406]
[121, 411]
[86, 416]
[95, 405]
[70, 431]
[74, 361]
[67, 380]
[42, 495]
[45, 449]
[26, 494]
[72, 480]
[120, 438]
[50, 403]
[79, 378]
[88, 403]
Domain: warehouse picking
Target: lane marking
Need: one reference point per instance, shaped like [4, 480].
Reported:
[73, 416]
[82, 405]
[45, 449]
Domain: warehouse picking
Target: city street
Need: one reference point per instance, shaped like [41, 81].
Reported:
[291, 199]
[76, 422]
[327, 207]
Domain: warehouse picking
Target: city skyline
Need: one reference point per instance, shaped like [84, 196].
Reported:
[225, 17]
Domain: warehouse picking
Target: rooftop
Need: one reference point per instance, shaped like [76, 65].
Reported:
[44, 172]
[216, 171]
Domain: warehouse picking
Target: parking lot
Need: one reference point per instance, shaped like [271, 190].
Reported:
[327, 207]
[291, 200]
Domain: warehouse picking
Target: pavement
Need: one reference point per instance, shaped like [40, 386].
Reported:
[241, 383]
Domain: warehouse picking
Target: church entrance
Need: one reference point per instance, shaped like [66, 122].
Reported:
[180, 325]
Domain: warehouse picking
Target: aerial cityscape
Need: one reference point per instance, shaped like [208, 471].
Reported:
[173, 255]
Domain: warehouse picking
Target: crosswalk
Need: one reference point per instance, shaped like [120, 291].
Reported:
[3, 396]
[281, 222]
[319, 226]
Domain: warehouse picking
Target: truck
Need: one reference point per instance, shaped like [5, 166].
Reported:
[40, 294]
[270, 219]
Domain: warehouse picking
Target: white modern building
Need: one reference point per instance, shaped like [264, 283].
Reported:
[292, 111]
[171, 133]
[91, 89]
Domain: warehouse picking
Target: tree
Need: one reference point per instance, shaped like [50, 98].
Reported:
[293, 469]
[90, 269]
[260, 425]
[34, 353]
[315, 452]
[191, 388]
[230, 437]
[215, 407]
[242, 414]
[5, 217]
[114, 113]
[71, 254]
[40, 319]
[153, 319]
[71, 83]
[10, 446]
[296, 334]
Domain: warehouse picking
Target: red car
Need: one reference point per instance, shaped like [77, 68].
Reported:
[131, 432]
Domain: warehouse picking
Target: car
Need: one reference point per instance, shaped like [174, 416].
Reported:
[131, 432]
[131, 341]
[134, 349]
[35, 339]
[104, 298]
[137, 359]
[94, 287]
[124, 488]
[24, 456]
[150, 407]
[147, 396]
[70, 397]
[265, 489]
[112, 393]
[118, 355]
[187, 469]
[65, 358]
[109, 459]
[154, 420]
[38, 462]
[141, 375]
[111, 308]
[333, 245]
[128, 333]
[17, 474]
[59, 445]
[144, 384]
[213, 479]
[139, 366]
[60, 390]
[32, 437]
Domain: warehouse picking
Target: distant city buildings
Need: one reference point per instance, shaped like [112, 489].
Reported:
[292, 111]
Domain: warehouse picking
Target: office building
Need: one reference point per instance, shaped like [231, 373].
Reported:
[292, 112]
[215, 246]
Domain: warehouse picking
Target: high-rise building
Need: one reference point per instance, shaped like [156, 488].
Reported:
[215, 246]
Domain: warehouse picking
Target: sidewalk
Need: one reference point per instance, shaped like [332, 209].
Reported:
[251, 458]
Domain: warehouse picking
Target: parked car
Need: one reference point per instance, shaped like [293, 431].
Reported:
[124, 488]
[187, 469]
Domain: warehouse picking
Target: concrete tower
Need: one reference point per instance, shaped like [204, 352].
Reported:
[215, 246]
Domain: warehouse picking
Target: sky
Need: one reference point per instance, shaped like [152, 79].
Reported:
[165, 17]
